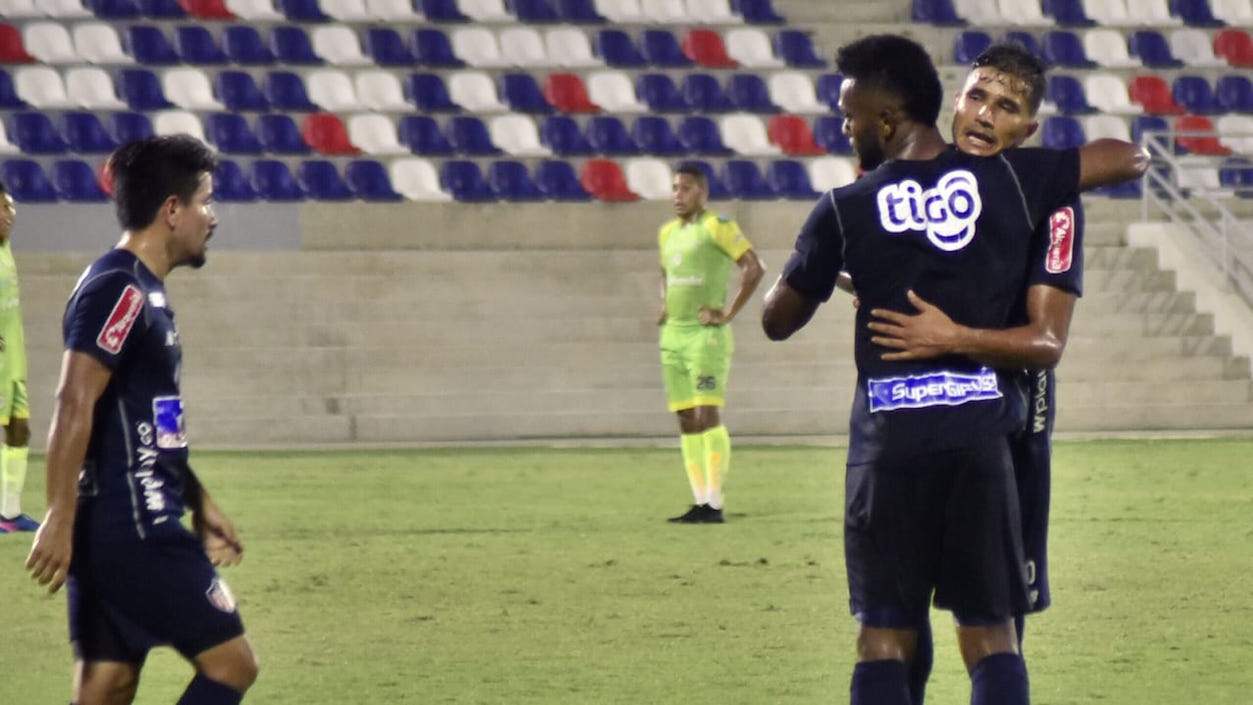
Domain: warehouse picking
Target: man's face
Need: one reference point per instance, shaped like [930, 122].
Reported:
[8, 213]
[688, 195]
[864, 122]
[194, 222]
[993, 113]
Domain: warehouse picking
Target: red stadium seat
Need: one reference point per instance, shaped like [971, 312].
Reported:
[207, 9]
[793, 136]
[1236, 46]
[1153, 93]
[1199, 144]
[326, 134]
[705, 47]
[568, 94]
[604, 179]
[11, 49]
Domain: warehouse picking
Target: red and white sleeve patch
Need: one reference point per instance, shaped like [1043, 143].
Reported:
[121, 320]
[1061, 252]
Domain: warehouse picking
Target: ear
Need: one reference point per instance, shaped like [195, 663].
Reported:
[169, 209]
[1035, 125]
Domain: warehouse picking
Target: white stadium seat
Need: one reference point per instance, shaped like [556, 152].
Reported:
[517, 135]
[751, 48]
[665, 11]
[794, 92]
[40, 86]
[1108, 48]
[826, 173]
[375, 134]
[620, 11]
[570, 48]
[332, 90]
[523, 47]
[477, 47]
[1107, 92]
[98, 43]
[90, 87]
[486, 11]
[474, 91]
[338, 45]
[416, 180]
[650, 178]
[745, 134]
[189, 88]
[613, 92]
[50, 43]
[381, 90]
[1194, 47]
[178, 122]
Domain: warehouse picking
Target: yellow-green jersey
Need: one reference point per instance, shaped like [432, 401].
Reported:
[12, 337]
[697, 259]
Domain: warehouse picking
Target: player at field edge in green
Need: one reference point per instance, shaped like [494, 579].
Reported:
[14, 406]
[697, 249]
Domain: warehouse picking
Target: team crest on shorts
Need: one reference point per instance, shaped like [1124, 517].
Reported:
[220, 595]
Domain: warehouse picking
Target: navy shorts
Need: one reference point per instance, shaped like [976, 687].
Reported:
[1032, 451]
[942, 524]
[126, 597]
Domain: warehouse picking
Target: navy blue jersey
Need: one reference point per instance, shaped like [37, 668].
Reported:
[136, 462]
[957, 230]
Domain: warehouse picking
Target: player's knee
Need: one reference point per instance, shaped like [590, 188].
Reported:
[982, 641]
[233, 664]
[878, 644]
[106, 686]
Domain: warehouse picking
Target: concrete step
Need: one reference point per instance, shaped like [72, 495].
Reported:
[1095, 393]
[1180, 415]
[1139, 324]
[1141, 349]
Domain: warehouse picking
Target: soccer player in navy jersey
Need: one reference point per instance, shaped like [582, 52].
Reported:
[931, 508]
[117, 467]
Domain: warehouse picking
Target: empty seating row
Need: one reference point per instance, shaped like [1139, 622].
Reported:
[1149, 13]
[1188, 134]
[1108, 48]
[527, 11]
[1149, 93]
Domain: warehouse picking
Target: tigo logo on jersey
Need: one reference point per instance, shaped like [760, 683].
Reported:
[1061, 241]
[121, 319]
[947, 212]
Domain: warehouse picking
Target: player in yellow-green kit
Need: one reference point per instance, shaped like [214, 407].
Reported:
[14, 409]
[698, 249]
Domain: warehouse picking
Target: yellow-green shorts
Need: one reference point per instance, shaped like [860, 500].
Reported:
[695, 361]
[13, 402]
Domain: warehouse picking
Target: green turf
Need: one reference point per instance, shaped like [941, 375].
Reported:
[547, 576]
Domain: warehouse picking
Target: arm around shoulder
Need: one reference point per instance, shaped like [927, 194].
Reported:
[1109, 161]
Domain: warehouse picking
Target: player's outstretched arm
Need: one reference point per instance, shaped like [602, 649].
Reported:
[786, 311]
[83, 380]
[1109, 161]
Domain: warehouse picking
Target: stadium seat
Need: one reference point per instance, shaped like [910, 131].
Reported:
[792, 135]
[189, 88]
[27, 182]
[566, 92]
[380, 90]
[321, 181]
[658, 91]
[699, 135]
[1235, 132]
[557, 180]
[196, 45]
[603, 178]
[347, 10]
[609, 136]
[230, 185]
[464, 180]
[579, 12]
[90, 87]
[1195, 94]
[243, 45]
[113, 9]
[1063, 48]
[486, 11]
[745, 180]
[517, 135]
[302, 11]
[416, 180]
[41, 87]
[12, 50]
[661, 49]
[1024, 12]
[1195, 13]
[620, 11]
[1234, 94]
[468, 135]
[1237, 175]
[422, 135]
[1101, 126]
[1028, 40]
[1108, 93]
[286, 91]
[970, 44]
[789, 179]
[827, 86]
[99, 43]
[1206, 143]
[178, 122]
[1067, 13]
[829, 134]
[128, 126]
[570, 48]
[523, 94]
[432, 48]
[338, 45]
[478, 47]
[1237, 13]
[1142, 124]
[1068, 95]
[333, 91]
[19, 9]
[650, 177]
[613, 92]
[441, 11]
[326, 134]
[63, 9]
[238, 91]
[1152, 49]
[704, 94]
[665, 12]
[1153, 93]
[200, 9]
[797, 50]
[562, 135]
[375, 134]
[523, 47]
[9, 99]
[794, 92]
[1108, 13]
[273, 181]
[392, 11]
[826, 173]
[49, 43]
[475, 92]
[705, 48]
[1062, 132]
[936, 12]
[85, 134]
[510, 181]
[385, 48]
[1194, 48]
[616, 49]
[711, 12]
[534, 11]
[1236, 46]
[748, 92]
[746, 135]
[428, 93]
[230, 133]
[147, 45]
[1198, 179]
[750, 47]
[980, 13]
[1108, 48]
[254, 10]
[291, 45]
[654, 136]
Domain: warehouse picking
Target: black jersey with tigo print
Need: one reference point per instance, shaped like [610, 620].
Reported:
[957, 230]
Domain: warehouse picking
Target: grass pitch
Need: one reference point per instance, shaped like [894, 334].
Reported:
[547, 577]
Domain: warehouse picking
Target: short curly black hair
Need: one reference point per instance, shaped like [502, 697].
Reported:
[898, 66]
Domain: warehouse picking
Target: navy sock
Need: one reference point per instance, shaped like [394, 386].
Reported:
[1020, 626]
[1000, 679]
[880, 683]
[920, 667]
[202, 691]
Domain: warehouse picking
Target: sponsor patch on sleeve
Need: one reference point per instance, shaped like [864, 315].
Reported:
[121, 320]
[1061, 241]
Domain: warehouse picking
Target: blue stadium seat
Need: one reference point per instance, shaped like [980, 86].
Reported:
[113, 9]
[85, 134]
[718, 190]
[1236, 174]
[321, 181]
[464, 180]
[196, 45]
[468, 135]
[230, 133]
[788, 178]
[301, 10]
[428, 92]
[291, 45]
[744, 180]
[937, 12]
[422, 135]
[162, 9]
[827, 88]
[129, 126]
[970, 44]
[558, 181]
[523, 94]
[387, 48]
[238, 91]
[757, 11]
[9, 99]
[704, 94]
[1143, 123]
[748, 92]
[34, 133]
[797, 49]
[617, 49]
[1027, 40]
[432, 48]
[75, 180]
[700, 135]
[561, 134]
[660, 48]
[660, 93]
[1196, 13]
[141, 89]
[286, 91]
[1234, 94]
[148, 45]
[532, 11]
[609, 136]
[1063, 48]
[829, 134]
[243, 44]
[579, 12]
[654, 136]
[441, 11]
[273, 181]
[27, 182]
[230, 185]
[1194, 93]
[1062, 132]
[1067, 13]
[1152, 49]
[279, 134]
[510, 181]
[369, 181]
[1067, 93]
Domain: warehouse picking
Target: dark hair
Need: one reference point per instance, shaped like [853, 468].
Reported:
[3, 189]
[1016, 60]
[898, 66]
[148, 171]
[695, 171]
